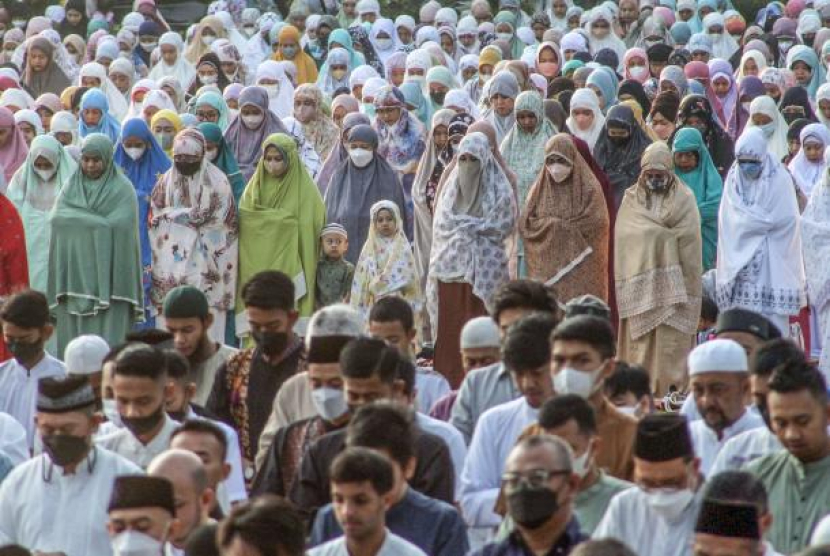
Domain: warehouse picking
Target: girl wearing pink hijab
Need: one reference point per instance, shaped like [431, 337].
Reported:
[635, 65]
[13, 149]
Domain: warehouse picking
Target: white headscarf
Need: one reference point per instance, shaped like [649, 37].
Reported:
[586, 99]
[823, 93]
[387, 26]
[611, 40]
[723, 45]
[759, 240]
[815, 227]
[777, 140]
[181, 69]
[117, 103]
[281, 104]
[805, 173]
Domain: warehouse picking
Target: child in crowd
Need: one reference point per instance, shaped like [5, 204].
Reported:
[334, 273]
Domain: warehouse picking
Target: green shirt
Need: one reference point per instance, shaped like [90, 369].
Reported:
[334, 281]
[799, 496]
[589, 505]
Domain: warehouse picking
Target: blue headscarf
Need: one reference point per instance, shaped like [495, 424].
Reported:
[95, 98]
[802, 53]
[224, 160]
[606, 83]
[413, 94]
[143, 174]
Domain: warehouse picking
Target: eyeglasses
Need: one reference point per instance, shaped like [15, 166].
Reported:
[534, 478]
[205, 115]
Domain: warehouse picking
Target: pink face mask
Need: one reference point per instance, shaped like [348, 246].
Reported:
[548, 69]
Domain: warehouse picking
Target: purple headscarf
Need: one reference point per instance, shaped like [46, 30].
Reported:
[247, 143]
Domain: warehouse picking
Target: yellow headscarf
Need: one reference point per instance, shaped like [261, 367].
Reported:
[169, 116]
[306, 68]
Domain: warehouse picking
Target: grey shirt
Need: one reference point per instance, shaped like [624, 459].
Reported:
[482, 389]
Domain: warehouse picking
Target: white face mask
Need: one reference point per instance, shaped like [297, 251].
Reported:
[46, 175]
[208, 79]
[582, 464]
[211, 154]
[559, 172]
[253, 121]
[669, 503]
[361, 157]
[572, 381]
[135, 152]
[273, 90]
[637, 71]
[111, 412]
[504, 36]
[249, 30]
[135, 543]
[384, 44]
[149, 46]
[330, 403]
[207, 40]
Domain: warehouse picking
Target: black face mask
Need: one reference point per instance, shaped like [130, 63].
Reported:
[790, 117]
[143, 425]
[187, 168]
[271, 343]
[438, 98]
[619, 141]
[65, 449]
[25, 352]
[532, 507]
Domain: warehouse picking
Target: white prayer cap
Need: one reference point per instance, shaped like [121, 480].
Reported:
[718, 356]
[85, 355]
[480, 332]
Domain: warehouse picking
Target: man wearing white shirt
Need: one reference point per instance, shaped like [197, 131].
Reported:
[720, 385]
[141, 388]
[13, 442]
[361, 485]
[57, 501]
[527, 355]
[26, 329]
[657, 517]
[761, 441]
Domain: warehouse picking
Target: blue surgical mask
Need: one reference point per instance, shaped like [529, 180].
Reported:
[751, 168]
[768, 129]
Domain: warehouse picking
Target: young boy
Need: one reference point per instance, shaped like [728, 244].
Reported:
[334, 273]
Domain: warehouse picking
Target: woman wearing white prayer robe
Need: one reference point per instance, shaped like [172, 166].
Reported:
[759, 264]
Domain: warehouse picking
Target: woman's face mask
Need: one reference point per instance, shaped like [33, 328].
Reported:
[751, 169]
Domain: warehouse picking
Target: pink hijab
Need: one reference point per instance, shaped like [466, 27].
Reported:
[636, 53]
[13, 153]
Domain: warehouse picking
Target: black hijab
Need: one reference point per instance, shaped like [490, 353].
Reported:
[718, 142]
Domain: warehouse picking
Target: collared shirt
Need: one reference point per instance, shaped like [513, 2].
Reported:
[481, 390]
[495, 436]
[47, 511]
[452, 438]
[392, 545]
[18, 390]
[706, 442]
[746, 447]
[799, 495]
[433, 526]
[205, 372]
[514, 544]
[631, 520]
[126, 444]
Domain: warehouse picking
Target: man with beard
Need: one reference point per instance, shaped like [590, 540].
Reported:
[188, 318]
[720, 384]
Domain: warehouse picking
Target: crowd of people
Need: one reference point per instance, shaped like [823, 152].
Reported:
[499, 280]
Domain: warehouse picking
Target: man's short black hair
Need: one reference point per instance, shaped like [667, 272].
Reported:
[114, 352]
[526, 345]
[203, 426]
[361, 465]
[269, 289]
[26, 309]
[708, 309]
[14, 550]
[367, 357]
[524, 294]
[558, 410]
[588, 329]
[795, 376]
[627, 378]
[384, 426]
[406, 374]
[271, 525]
[141, 360]
[202, 541]
[178, 367]
[773, 354]
[162, 339]
[393, 309]
[737, 486]
[602, 547]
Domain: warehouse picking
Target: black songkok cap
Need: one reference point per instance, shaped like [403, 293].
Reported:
[141, 491]
[728, 519]
[663, 437]
[64, 394]
[742, 320]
